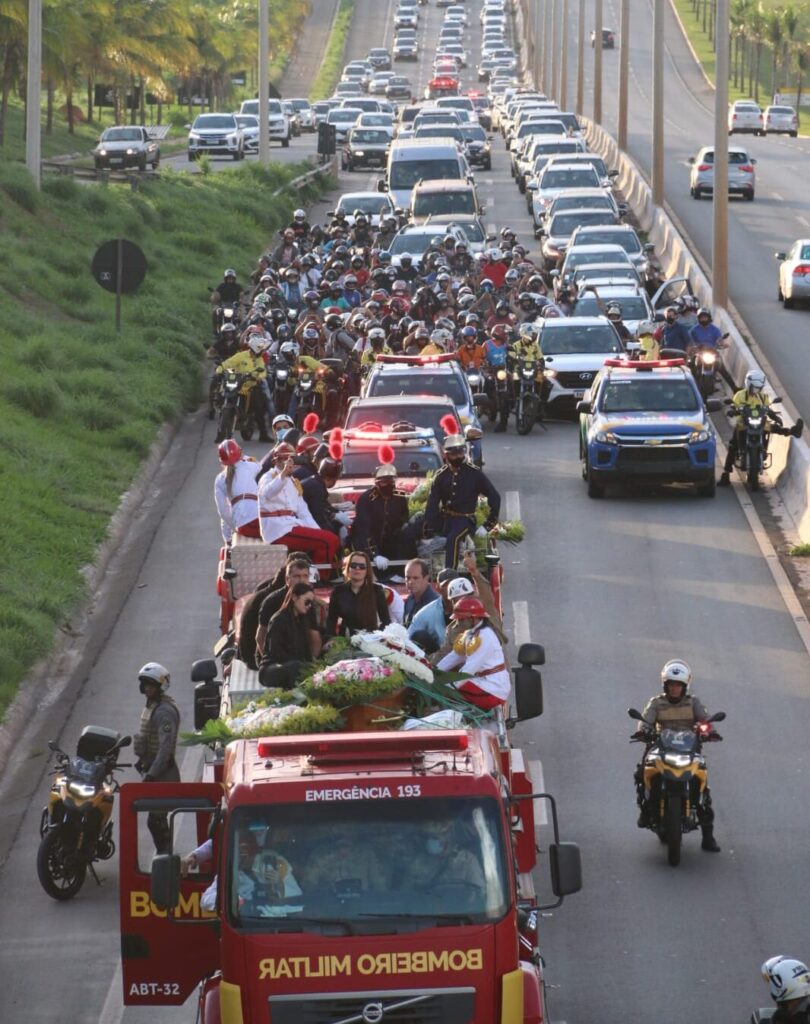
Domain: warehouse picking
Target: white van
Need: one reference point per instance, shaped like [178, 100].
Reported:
[415, 160]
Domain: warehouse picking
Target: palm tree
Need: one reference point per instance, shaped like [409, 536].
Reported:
[756, 34]
[774, 35]
[13, 30]
[738, 19]
[802, 65]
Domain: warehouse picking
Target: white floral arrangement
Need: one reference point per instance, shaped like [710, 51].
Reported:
[393, 646]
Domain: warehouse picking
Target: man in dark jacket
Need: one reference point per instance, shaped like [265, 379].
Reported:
[380, 520]
[315, 490]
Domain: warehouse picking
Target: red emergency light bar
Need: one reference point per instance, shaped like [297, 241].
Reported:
[365, 745]
[643, 364]
[444, 357]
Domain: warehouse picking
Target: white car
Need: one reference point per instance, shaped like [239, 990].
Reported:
[306, 117]
[745, 116]
[249, 124]
[779, 118]
[217, 135]
[794, 273]
[373, 204]
[277, 119]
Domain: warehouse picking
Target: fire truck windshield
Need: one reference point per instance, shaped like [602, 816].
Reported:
[363, 863]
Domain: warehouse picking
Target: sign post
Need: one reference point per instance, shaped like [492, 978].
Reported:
[119, 266]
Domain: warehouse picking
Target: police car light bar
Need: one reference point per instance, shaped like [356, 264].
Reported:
[643, 364]
[444, 357]
[365, 745]
[378, 436]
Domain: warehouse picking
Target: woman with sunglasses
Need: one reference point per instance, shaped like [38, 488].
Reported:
[358, 603]
[289, 643]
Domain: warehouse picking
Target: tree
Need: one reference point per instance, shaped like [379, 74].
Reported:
[13, 34]
[802, 64]
[774, 36]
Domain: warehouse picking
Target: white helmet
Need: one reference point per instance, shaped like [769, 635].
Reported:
[786, 978]
[460, 587]
[299, 215]
[257, 343]
[529, 331]
[646, 328]
[290, 350]
[440, 338]
[152, 672]
[676, 671]
[755, 380]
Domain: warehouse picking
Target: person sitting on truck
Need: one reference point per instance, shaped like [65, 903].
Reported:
[359, 603]
[296, 569]
[478, 653]
[291, 640]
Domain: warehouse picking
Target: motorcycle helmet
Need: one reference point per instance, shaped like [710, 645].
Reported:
[703, 312]
[299, 215]
[341, 252]
[290, 351]
[384, 256]
[376, 336]
[153, 672]
[487, 285]
[400, 287]
[676, 671]
[472, 319]
[439, 339]
[334, 321]
[379, 295]
[283, 333]
[229, 452]
[502, 308]
[357, 261]
[511, 277]
[257, 343]
[786, 978]
[613, 309]
[312, 298]
[465, 301]
[500, 332]
[311, 336]
[307, 261]
[372, 307]
[292, 275]
[460, 587]
[531, 332]
[508, 235]
[469, 608]
[755, 380]
[406, 259]
[230, 272]
[469, 335]
[646, 329]
[282, 422]
[350, 281]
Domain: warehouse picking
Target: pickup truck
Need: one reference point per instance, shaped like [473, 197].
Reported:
[126, 146]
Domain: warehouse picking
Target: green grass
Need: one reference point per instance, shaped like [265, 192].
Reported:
[800, 551]
[705, 53]
[332, 65]
[79, 404]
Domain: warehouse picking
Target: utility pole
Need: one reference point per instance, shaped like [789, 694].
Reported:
[566, 17]
[547, 24]
[580, 105]
[720, 209]
[33, 112]
[658, 104]
[264, 83]
[555, 48]
[624, 66]
[597, 61]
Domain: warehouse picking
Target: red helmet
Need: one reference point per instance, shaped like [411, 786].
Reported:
[306, 444]
[500, 331]
[283, 451]
[469, 608]
[229, 452]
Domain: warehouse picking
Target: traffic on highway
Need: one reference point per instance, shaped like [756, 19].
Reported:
[459, 425]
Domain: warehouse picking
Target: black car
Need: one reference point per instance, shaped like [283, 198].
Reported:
[366, 147]
[477, 146]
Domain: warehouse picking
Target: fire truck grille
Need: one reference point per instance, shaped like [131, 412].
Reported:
[429, 1006]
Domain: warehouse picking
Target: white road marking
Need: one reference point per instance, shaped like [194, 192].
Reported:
[520, 617]
[538, 786]
[777, 196]
[804, 220]
[512, 505]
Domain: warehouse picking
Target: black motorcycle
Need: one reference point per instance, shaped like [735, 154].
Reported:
[528, 400]
[308, 398]
[76, 828]
[672, 781]
[237, 411]
[752, 440]
[282, 379]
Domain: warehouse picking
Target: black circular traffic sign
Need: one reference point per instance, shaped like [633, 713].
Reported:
[105, 266]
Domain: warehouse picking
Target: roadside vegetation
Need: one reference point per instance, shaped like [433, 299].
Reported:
[80, 405]
[332, 66]
[770, 47]
[147, 54]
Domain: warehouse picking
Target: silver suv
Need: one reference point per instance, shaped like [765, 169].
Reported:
[741, 175]
[745, 116]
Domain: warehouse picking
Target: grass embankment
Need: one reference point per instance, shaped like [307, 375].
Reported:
[79, 404]
[332, 66]
[704, 48]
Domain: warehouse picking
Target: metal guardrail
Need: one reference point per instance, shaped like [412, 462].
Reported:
[304, 179]
[93, 174]
[158, 131]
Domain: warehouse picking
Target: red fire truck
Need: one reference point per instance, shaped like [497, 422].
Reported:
[377, 877]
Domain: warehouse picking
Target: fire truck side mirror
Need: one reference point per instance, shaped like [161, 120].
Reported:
[204, 671]
[528, 693]
[566, 869]
[206, 703]
[165, 880]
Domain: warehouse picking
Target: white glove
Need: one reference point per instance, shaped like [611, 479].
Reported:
[481, 532]
[343, 533]
[343, 518]
[380, 562]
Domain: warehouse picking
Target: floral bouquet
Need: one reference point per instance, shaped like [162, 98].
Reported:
[264, 720]
[393, 646]
[352, 681]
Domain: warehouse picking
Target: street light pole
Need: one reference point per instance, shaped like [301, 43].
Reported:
[264, 82]
[555, 48]
[597, 61]
[580, 106]
[33, 92]
[720, 207]
[658, 104]
[563, 93]
[624, 66]
[547, 23]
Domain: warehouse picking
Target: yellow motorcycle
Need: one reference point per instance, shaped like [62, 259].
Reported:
[672, 781]
[76, 826]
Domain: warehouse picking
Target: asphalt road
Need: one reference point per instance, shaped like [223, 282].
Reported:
[613, 588]
[779, 214]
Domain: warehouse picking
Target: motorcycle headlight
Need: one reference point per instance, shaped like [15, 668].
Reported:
[678, 760]
[227, 312]
[755, 421]
[607, 437]
[698, 436]
[501, 375]
[281, 374]
[708, 358]
[528, 371]
[81, 790]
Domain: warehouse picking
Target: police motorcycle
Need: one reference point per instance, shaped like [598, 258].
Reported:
[752, 449]
[705, 365]
[236, 405]
[672, 780]
[528, 400]
[76, 827]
